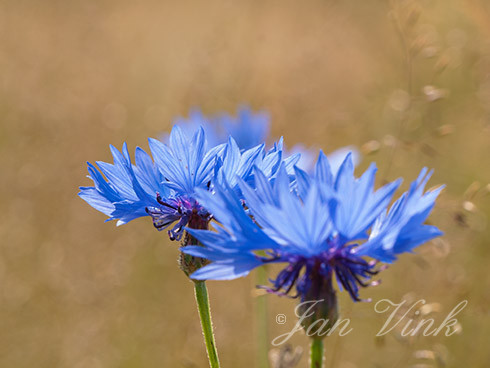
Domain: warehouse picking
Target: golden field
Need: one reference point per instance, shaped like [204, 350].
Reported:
[408, 82]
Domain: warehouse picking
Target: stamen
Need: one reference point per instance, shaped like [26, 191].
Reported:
[351, 271]
[159, 200]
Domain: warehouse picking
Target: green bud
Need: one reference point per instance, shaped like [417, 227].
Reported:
[187, 263]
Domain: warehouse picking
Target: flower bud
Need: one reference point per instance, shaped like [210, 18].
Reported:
[187, 263]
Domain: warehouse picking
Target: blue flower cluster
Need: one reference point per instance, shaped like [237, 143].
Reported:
[325, 225]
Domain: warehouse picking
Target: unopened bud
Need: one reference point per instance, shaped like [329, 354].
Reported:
[187, 263]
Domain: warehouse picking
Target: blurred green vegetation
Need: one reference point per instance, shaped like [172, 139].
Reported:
[406, 81]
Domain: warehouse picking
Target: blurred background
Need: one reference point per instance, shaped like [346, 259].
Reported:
[408, 82]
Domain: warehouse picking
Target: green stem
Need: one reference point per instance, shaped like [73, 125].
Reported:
[316, 353]
[202, 301]
[261, 322]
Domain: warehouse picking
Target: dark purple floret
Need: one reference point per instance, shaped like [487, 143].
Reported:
[310, 273]
[186, 211]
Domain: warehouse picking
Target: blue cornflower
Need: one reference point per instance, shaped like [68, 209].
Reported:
[162, 189]
[249, 129]
[165, 188]
[321, 226]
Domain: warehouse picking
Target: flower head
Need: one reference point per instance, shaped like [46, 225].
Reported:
[322, 226]
[165, 188]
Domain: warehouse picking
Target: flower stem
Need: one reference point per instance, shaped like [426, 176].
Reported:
[316, 353]
[202, 301]
[261, 321]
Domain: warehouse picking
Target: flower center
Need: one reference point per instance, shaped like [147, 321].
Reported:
[185, 211]
[309, 273]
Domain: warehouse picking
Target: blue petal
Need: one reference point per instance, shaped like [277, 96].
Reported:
[227, 270]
